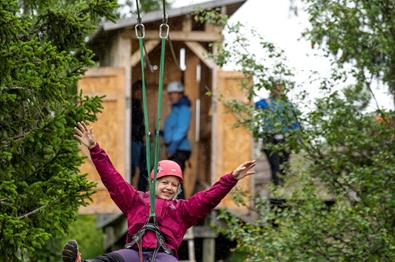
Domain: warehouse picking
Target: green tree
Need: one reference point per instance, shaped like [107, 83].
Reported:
[359, 32]
[145, 6]
[340, 200]
[43, 53]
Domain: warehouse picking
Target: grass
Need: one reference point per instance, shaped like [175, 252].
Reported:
[90, 239]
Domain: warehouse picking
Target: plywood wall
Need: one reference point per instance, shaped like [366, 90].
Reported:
[109, 130]
[231, 146]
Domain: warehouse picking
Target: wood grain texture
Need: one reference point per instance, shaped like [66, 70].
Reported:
[233, 144]
[109, 130]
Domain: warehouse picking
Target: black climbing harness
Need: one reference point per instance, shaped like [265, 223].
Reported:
[137, 240]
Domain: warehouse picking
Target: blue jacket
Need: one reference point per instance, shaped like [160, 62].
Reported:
[175, 130]
[279, 116]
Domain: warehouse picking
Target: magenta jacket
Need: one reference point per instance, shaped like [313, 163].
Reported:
[174, 217]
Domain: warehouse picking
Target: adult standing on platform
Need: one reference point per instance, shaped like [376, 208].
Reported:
[176, 126]
[279, 121]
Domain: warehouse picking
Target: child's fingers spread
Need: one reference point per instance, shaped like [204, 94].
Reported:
[84, 126]
[77, 132]
[77, 137]
[80, 126]
[249, 163]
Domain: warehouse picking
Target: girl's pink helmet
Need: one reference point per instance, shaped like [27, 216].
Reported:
[168, 168]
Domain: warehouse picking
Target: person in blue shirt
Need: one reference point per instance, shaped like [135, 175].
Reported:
[279, 121]
[176, 125]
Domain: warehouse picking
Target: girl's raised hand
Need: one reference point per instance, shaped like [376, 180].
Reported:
[85, 135]
[244, 170]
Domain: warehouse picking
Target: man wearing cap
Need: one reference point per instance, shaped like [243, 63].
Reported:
[176, 126]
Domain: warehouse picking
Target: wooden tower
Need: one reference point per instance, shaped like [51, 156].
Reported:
[217, 146]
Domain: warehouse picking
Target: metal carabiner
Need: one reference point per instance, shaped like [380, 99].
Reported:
[140, 31]
[164, 31]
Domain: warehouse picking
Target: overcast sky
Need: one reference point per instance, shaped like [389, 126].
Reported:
[273, 20]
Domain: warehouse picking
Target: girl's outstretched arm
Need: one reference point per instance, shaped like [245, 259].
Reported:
[120, 190]
[200, 204]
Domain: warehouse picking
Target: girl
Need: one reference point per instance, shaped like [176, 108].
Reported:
[161, 240]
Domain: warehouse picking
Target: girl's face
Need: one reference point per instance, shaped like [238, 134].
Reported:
[167, 187]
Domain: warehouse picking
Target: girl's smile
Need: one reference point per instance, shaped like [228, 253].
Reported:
[167, 187]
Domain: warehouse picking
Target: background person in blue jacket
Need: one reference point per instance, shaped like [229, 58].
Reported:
[279, 121]
[176, 126]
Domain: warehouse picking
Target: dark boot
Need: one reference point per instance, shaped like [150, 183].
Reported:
[70, 251]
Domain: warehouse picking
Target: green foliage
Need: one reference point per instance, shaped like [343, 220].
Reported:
[210, 16]
[42, 56]
[90, 239]
[359, 32]
[345, 151]
[237, 256]
[83, 229]
[152, 5]
[144, 6]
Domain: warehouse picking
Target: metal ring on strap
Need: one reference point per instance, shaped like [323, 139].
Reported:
[164, 31]
[140, 31]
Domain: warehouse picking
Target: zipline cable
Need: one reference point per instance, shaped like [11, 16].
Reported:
[164, 18]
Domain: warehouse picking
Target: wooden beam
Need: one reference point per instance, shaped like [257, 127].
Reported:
[200, 36]
[201, 52]
[187, 24]
[204, 232]
[149, 46]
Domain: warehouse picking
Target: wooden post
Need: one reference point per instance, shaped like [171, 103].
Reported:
[192, 90]
[187, 23]
[120, 51]
[208, 250]
[209, 243]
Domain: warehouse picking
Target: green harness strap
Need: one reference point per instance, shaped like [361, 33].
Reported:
[146, 122]
[164, 32]
[158, 117]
